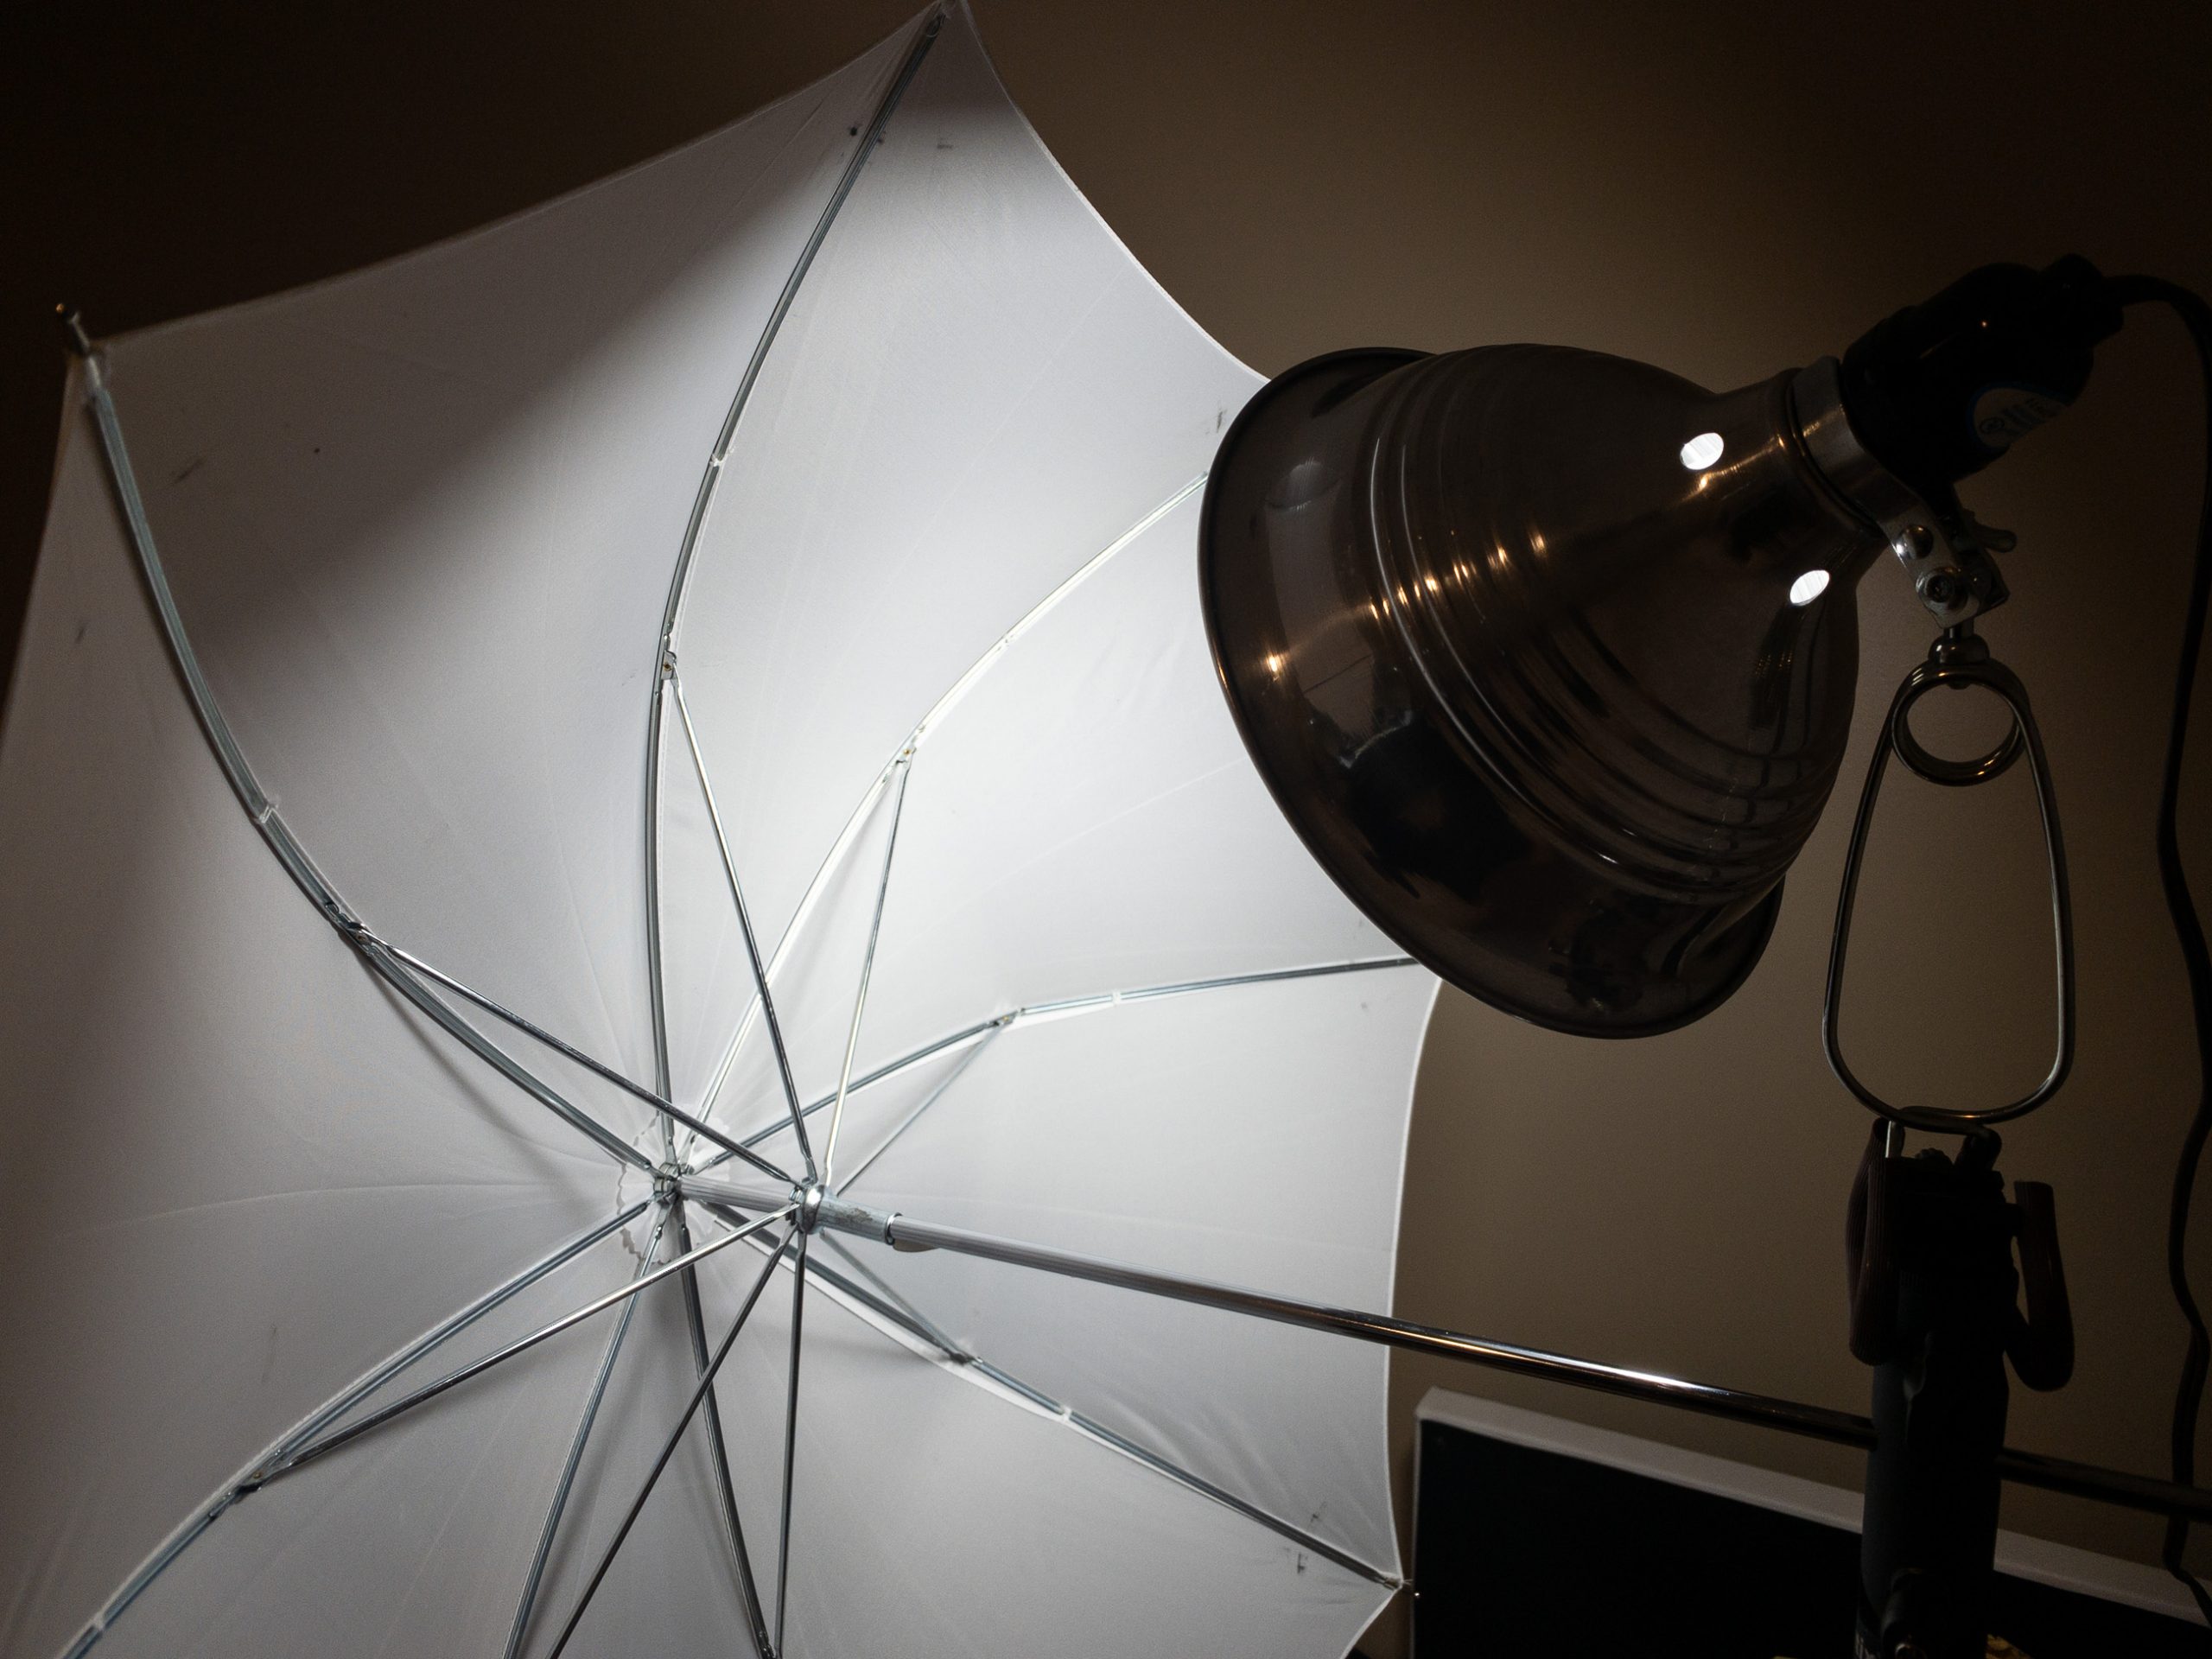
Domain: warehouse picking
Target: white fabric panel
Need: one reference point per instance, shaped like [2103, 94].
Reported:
[236, 1175]
[934, 1517]
[1085, 820]
[1252, 1135]
[418, 1537]
[422, 523]
[977, 389]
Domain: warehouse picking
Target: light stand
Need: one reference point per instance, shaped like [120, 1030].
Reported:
[1549, 658]
[1933, 1311]
[1929, 1242]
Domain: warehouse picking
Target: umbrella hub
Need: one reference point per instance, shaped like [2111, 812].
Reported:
[808, 1197]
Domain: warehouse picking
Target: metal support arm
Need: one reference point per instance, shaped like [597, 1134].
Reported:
[1819, 1422]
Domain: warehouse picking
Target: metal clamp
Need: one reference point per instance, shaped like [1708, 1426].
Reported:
[1956, 660]
[1944, 552]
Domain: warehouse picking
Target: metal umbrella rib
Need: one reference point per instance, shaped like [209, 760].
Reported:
[261, 809]
[660, 1105]
[867, 969]
[175, 1546]
[325, 1443]
[740, 1559]
[980, 1032]
[790, 1446]
[983, 1030]
[831, 862]
[991, 1034]
[668, 1449]
[528, 1599]
[744, 928]
[902, 760]
[710, 479]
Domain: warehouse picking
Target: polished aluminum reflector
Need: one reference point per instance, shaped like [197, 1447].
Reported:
[1547, 655]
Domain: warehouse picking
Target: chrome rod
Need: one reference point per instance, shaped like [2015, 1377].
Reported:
[352, 1431]
[734, 1530]
[676, 1436]
[710, 478]
[886, 1301]
[552, 1527]
[715, 1189]
[745, 927]
[867, 969]
[2114, 1486]
[659, 1104]
[927, 1101]
[1816, 1420]
[791, 1446]
[1819, 1422]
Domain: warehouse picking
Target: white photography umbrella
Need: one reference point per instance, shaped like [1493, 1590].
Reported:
[450, 694]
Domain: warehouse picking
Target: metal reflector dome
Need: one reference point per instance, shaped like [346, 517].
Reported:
[1548, 655]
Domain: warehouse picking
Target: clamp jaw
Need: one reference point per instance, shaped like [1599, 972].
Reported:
[1936, 392]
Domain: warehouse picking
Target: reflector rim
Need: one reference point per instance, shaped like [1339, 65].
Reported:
[1370, 892]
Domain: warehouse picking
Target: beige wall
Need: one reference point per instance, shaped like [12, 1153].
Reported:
[1728, 190]
[1723, 189]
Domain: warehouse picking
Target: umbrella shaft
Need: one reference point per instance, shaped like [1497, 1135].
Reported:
[1845, 1428]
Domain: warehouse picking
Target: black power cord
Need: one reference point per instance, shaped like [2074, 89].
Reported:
[2189, 934]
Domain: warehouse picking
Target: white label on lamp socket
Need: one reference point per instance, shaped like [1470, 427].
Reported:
[2002, 414]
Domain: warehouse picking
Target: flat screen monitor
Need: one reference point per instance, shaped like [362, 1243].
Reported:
[1533, 1535]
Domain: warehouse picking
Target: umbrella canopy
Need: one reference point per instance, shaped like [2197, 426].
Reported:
[449, 694]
